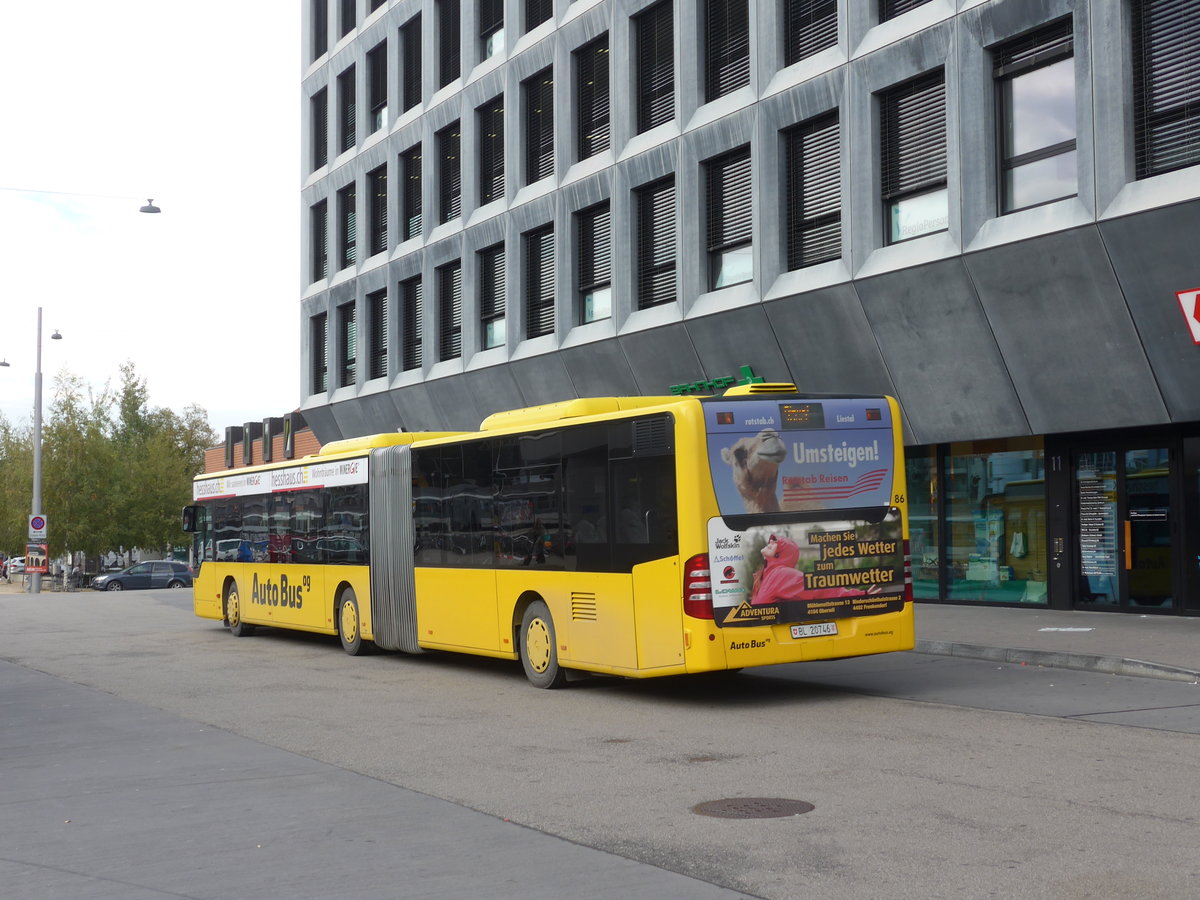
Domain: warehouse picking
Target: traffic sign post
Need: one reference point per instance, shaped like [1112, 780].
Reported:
[37, 529]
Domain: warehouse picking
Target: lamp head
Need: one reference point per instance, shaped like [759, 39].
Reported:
[57, 336]
[150, 207]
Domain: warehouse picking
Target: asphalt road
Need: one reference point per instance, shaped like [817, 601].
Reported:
[929, 776]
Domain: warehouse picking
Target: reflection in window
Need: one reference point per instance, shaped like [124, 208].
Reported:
[921, 468]
[996, 521]
[1036, 77]
[913, 132]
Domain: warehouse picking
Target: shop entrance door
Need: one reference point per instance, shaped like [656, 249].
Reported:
[1124, 542]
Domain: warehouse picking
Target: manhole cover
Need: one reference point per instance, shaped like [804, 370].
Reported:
[752, 808]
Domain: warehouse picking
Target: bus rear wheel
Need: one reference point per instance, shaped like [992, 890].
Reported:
[350, 624]
[233, 613]
[539, 648]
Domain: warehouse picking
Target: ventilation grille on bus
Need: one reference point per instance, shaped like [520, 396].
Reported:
[652, 437]
[583, 607]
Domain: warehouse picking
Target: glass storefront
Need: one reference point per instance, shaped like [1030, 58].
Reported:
[977, 518]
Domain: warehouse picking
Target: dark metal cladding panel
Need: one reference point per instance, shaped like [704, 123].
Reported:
[416, 409]
[393, 586]
[950, 378]
[1154, 256]
[495, 390]
[542, 379]
[455, 404]
[1068, 340]
[323, 423]
[660, 358]
[828, 344]
[599, 370]
[740, 337]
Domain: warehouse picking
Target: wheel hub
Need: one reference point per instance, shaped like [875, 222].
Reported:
[537, 641]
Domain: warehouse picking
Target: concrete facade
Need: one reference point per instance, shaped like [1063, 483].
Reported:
[1058, 318]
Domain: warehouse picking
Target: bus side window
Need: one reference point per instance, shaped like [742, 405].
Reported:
[643, 495]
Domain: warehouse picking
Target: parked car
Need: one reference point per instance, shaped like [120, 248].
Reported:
[162, 573]
[16, 566]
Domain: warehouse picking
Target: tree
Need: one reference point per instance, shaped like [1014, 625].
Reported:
[116, 471]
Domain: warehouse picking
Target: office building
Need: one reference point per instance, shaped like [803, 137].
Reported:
[987, 208]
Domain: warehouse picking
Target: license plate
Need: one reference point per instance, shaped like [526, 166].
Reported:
[816, 629]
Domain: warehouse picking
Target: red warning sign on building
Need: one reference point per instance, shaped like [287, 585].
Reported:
[1190, 301]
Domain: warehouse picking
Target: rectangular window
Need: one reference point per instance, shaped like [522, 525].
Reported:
[378, 199]
[539, 282]
[377, 312]
[345, 17]
[410, 198]
[347, 226]
[655, 60]
[730, 219]
[449, 42]
[450, 310]
[320, 361]
[347, 345]
[410, 50]
[889, 9]
[320, 239]
[595, 263]
[537, 12]
[1035, 78]
[491, 150]
[410, 323]
[491, 28]
[538, 92]
[913, 132]
[1166, 86]
[809, 26]
[347, 111]
[449, 141]
[656, 243]
[375, 4]
[591, 73]
[814, 192]
[377, 85]
[491, 296]
[726, 47]
[319, 114]
[320, 27]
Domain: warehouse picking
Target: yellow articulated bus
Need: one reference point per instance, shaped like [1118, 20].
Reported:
[630, 536]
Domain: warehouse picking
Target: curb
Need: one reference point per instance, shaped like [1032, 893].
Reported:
[1086, 662]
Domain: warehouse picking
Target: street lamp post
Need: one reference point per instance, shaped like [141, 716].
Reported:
[35, 584]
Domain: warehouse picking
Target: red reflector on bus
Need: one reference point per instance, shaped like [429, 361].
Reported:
[873, 415]
[697, 588]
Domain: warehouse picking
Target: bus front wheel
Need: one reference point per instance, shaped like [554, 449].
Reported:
[233, 613]
[350, 624]
[539, 648]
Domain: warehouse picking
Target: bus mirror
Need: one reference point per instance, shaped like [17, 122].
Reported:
[191, 518]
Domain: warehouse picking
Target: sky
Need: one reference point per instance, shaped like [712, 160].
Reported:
[104, 106]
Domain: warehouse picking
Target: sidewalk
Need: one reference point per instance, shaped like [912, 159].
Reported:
[1149, 646]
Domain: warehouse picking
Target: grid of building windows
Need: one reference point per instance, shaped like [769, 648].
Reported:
[708, 203]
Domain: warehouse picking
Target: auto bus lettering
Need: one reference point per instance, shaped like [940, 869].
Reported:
[747, 645]
[287, 593]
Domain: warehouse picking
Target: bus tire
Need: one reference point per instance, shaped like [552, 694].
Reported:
[233, 612]
[350, 624]
[539, 648]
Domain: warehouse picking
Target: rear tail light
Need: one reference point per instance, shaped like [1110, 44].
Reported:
[697, 587]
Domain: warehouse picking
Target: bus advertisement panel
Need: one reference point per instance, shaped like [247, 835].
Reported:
[807, 528]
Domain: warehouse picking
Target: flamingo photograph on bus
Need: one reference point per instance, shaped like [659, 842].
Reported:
[634, 537]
